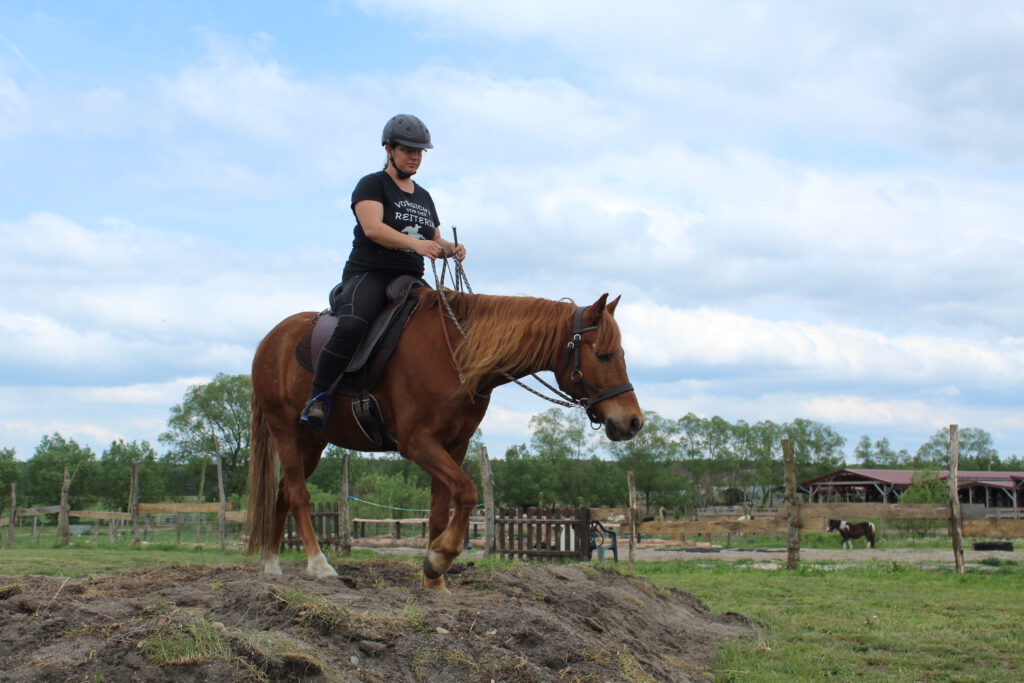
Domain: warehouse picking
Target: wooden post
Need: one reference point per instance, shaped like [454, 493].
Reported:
[63, 530]
[345, 537]
[632, 519]
[133, 503]
[223, 512]
[201, 499]
[955, 521]
[13, 516]
[793, 536]
[487, 477]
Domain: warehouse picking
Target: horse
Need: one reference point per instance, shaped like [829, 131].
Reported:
[851, 531]
[432, 395]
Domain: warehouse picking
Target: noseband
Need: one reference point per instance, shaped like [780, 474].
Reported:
[579, 385]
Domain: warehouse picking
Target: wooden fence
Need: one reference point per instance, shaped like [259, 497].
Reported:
[544, 534]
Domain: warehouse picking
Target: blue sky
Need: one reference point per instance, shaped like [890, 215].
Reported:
[811, 209]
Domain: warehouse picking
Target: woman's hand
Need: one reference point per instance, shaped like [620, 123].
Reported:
[429, 248]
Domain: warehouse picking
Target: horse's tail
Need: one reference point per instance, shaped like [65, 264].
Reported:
[262, 485]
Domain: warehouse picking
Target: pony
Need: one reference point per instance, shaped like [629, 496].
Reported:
[432, 396]
[851, 531]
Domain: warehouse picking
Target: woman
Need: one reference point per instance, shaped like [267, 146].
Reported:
[396, 226]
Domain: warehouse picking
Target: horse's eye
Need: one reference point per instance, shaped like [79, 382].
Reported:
[604, 357]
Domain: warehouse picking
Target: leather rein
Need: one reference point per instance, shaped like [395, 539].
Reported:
[579, 386]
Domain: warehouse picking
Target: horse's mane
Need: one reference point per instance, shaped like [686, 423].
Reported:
[516, 335]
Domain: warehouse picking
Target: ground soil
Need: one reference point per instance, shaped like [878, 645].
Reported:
[373, 623]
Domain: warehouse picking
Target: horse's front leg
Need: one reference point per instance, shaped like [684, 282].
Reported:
[449, 485]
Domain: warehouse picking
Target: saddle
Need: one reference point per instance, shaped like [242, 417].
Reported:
[370, 358]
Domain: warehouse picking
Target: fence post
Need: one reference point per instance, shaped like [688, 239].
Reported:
[13, 516]
[222, 513]
[632, 518]
[793, 536]
[63, 531]
[345, 537]
[133, 503]
[488, 481]
[583, 534]
[956, 530]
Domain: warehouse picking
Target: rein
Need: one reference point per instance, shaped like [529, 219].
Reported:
[579, 383]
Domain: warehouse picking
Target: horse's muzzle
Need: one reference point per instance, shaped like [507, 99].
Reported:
[625, 430]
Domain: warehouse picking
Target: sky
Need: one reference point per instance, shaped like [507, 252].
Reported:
[811, 210]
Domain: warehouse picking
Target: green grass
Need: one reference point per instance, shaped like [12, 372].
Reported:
[871, 623]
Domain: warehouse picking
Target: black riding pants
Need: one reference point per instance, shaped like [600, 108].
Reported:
[363, 296]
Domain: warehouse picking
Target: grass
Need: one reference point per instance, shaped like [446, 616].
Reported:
[871, 623]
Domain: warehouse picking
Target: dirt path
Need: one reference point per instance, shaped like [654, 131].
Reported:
[914, 557]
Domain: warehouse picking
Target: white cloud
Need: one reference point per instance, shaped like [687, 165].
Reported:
[827, 352]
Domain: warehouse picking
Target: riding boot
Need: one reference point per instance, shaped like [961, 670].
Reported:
[329, 366]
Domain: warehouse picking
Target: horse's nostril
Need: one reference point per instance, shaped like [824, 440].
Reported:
[634, 425]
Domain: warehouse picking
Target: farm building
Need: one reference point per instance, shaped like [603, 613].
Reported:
[990, 489]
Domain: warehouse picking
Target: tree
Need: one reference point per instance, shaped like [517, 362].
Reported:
[44, 473]
[976, 450]
[113, 482]
[817, 447]
[213, 419]
[517, 477]
[648, 455]
[10, 473]
[926, 486]
[561, 439]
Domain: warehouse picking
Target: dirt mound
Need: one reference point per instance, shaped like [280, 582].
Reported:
[197, 623]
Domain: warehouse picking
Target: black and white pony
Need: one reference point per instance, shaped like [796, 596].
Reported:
[851, 531]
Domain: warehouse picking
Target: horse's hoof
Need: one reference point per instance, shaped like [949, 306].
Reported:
[437, 584]
[435, 564]
[321, 568]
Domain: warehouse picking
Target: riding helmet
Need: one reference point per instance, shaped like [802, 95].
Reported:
[407, 130]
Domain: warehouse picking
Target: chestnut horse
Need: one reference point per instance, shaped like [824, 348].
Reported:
[432, 396]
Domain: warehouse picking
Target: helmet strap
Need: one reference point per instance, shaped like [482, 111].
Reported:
[402, 175]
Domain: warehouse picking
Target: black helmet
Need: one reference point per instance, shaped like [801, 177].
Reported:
[406, 129]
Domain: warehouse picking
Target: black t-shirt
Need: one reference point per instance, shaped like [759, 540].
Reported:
[410, 212]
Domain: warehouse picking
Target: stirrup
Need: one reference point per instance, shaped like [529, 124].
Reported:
[315, 421]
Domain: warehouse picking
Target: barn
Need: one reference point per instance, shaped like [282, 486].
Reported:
[987, 488]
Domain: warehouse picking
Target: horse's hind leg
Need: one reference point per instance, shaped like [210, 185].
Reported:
[299, 454]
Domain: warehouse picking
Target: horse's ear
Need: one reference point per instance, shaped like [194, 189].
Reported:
[611, 307]
[595, 310]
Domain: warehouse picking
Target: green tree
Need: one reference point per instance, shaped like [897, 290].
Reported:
[113, 481]
[760, 446]
[561, 439]
[649, 455]
[926, 486]
[213, 419]
[817, 447]
[44, 473]
[517, 477]
[10, 473]
[976, 451]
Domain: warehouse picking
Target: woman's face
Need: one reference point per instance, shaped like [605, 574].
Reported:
[406, 159]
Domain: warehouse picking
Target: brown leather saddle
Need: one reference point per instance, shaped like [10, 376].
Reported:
[370, 359]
